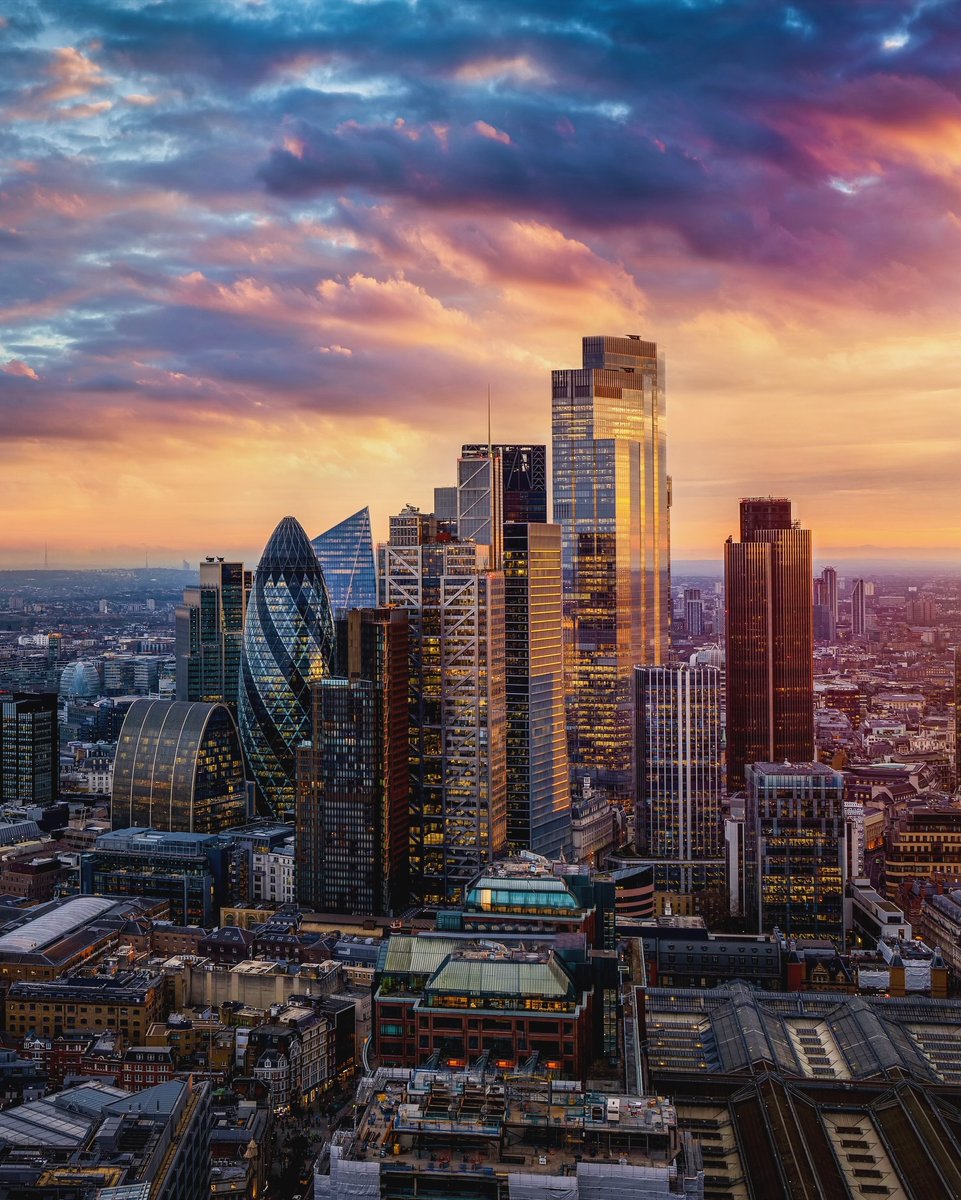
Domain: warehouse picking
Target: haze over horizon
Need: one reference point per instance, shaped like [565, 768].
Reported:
[266, 259]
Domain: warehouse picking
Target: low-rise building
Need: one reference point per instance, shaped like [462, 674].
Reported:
[129, 1001]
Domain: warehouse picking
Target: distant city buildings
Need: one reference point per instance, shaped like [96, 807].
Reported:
[611, 499]
[770, 644]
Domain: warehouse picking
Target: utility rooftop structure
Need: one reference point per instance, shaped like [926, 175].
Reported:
[480, 1134]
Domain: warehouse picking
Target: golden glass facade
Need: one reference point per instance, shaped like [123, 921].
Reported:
[538, 783]
[611, 499]
[770, 641]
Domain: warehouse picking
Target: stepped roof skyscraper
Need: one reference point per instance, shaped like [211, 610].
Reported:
[289, 642]
[346, 554]
[611, 500]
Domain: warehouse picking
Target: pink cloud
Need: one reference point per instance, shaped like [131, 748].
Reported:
[16, 366]
[495, 135]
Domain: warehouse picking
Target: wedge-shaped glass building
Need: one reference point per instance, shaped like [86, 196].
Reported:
[346, 554]
[288, 643]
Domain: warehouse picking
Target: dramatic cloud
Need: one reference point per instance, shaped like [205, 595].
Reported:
[268, 257]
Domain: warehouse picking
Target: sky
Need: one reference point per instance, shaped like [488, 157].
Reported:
[266, 258]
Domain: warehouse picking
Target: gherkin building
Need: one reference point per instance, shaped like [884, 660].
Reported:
[289, 642]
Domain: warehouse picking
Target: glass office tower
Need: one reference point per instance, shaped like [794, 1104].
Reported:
[457, 748]
[679, 761]
[288, 643]
[795, 849]
[770, 640]
[538, 783]
[346, 554]
[611, 500]
[178, 767]
[353, 783]
[523, 478]
[210, 633]
[29, 748]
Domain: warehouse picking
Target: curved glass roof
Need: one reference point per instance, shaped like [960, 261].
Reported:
[494, 891]
[54, 925]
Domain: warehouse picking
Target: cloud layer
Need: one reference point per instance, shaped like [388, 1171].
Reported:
[266, 257]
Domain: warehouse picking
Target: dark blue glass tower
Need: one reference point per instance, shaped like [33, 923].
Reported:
[346, 554]
[289, 642]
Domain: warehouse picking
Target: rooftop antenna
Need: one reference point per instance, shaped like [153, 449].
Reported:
[46, 560]
[490, 444]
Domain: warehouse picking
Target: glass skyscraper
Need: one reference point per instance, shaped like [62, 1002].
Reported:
[353, 783]
[611, 500]
[288, 643]
[678, 791]
[458, 796]
[346, 554]
[770, 639]
[210, 633]
[538, 783]
[795, 849]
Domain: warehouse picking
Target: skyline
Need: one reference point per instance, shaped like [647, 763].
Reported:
[264, 260]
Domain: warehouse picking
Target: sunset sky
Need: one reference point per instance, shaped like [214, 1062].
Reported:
[265, 257]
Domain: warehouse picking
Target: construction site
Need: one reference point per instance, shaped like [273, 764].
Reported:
[507, 1136]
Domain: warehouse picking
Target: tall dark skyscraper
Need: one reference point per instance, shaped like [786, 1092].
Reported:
[346, 555]
[770, 640]
[288, 644]
[611, 499]
[352, 776]
[210, 633]
[29, 748]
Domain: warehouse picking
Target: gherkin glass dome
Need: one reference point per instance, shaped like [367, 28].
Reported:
[289, 642]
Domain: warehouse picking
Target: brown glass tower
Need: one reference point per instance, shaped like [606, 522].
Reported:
[770, 640]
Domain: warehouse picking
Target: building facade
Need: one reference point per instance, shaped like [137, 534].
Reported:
[457, 708]
[29, 748]
[178, 767]
[524, 479]
[353, 778]
[611, 499]
[210, 633]
[770, 640]
[795, 848]
[678, 786]
[196, 873]
[346, 555]
[538, 779]
[288, 643]
[859, 615]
